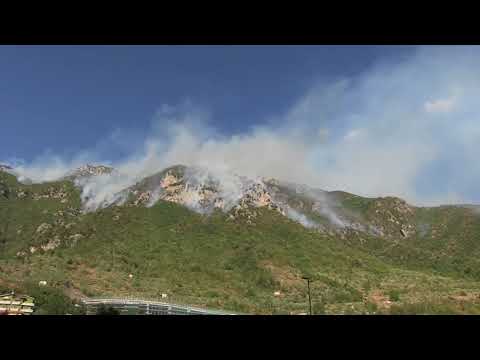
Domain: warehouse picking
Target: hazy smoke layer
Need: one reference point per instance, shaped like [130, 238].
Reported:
[407, 128]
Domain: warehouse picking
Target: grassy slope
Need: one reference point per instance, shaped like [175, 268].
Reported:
[215, 262]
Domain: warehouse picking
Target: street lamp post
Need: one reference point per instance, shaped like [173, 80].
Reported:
[309, 297]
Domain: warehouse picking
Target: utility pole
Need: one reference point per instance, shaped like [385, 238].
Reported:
[309, 297]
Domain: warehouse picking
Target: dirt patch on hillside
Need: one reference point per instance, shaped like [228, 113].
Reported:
[380, 299]
[74, 293]
[465, 297]
[4, 284]
[284, 275]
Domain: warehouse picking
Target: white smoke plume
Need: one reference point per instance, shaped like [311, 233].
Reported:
[228, 185]
[321, 204]
[155, 197]
[301, 218]
[334, 218]
[103, 190]
[407, 128]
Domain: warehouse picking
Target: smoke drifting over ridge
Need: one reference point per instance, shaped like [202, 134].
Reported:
[384, 132]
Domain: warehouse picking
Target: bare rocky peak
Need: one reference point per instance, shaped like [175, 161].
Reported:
[202, 190]
[89, 170]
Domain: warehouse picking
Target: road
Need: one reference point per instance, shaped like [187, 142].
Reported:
[148, 307]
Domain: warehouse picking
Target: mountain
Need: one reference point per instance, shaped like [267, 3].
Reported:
[212, 238]
[88, 171]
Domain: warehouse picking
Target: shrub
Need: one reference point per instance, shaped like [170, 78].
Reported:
[425, 308]
[346, 295]
[50, 301]
[107, 310]
[394, 295]
[318, 308]
[265, 280]
[372, 307]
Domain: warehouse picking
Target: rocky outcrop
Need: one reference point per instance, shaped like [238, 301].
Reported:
[143, 198]
[52, 193]
[255, 196]
[43, 228]
[393, 217]
[21, 194]
[52, 244]
[204, 193]
[87, 171]
[74, 238]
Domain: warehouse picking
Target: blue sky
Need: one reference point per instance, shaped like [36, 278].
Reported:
[373, 120]
[66, 98]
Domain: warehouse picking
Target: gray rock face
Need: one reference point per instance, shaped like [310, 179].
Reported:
[43, 228]
[203, 191]
[89, 170]
[51, 193]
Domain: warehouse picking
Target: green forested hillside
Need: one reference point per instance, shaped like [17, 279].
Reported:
[220, 262]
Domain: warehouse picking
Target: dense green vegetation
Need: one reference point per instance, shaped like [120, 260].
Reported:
[107, 310]
[217, 262]
[52, 301]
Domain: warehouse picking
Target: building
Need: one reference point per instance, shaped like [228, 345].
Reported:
[16, 305]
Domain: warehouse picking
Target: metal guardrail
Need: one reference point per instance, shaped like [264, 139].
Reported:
[150, 307]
